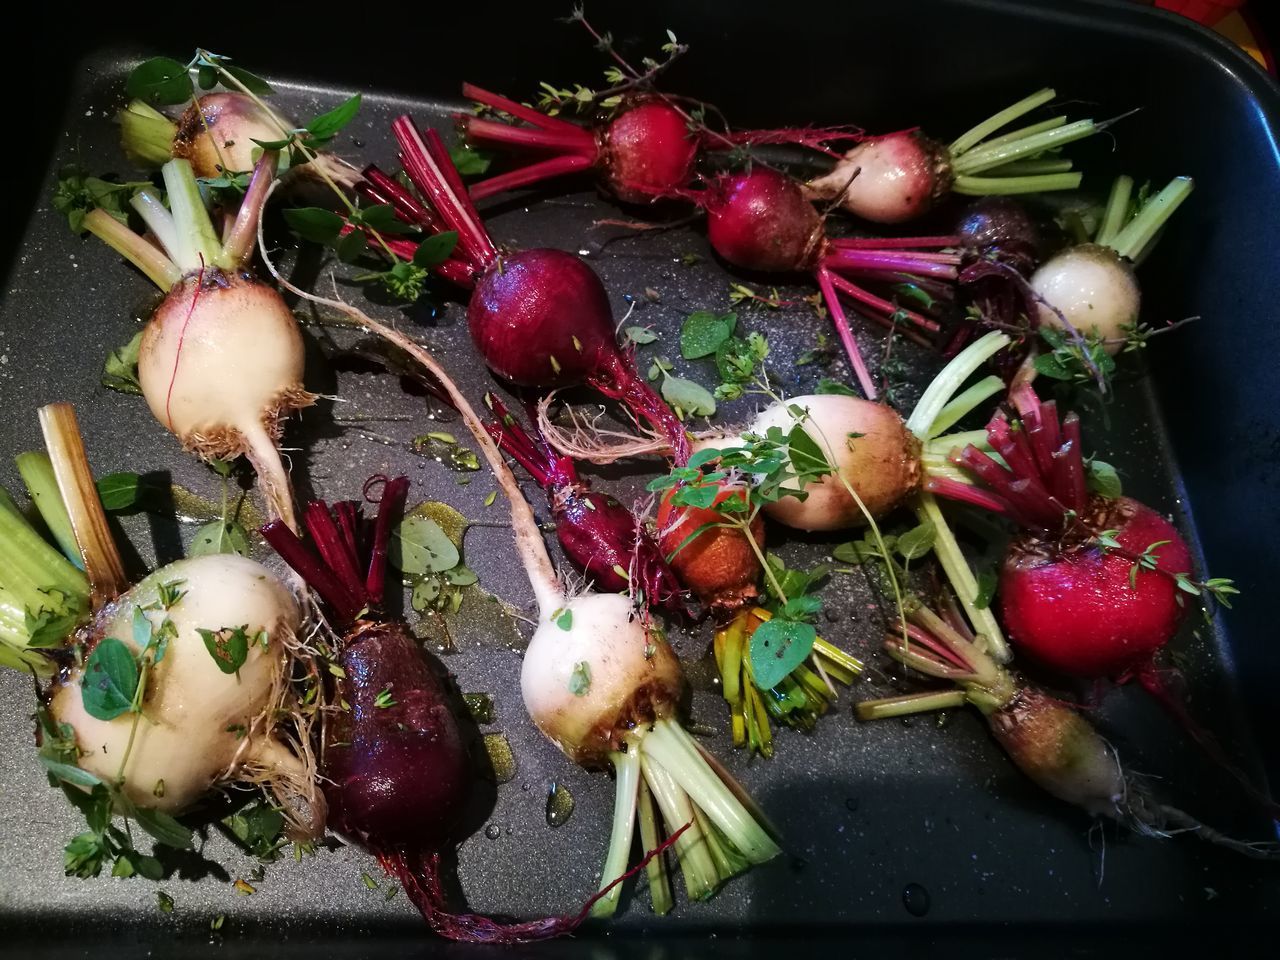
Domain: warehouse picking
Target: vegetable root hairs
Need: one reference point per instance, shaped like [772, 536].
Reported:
[586, 440]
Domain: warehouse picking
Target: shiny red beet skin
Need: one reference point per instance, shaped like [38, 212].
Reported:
[647, 152]
[527, 310]
[1076, 611]
[400, 773]
[761, 221]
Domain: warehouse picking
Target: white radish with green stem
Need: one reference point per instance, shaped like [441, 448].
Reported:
[600, 681]
[1090, 289]
[221, 359]
[182, 679]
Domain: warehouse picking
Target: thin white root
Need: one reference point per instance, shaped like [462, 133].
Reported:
[588, 440]
[264, 456]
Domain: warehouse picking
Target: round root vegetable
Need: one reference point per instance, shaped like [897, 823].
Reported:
[716, 562]
[759, 220]
[643, 152]
[1049, 741]
[183, 677]
[901, 176]
[540, 317]
[603, 685]
[600, 536]
[220, 363]
[1093, 586]
[219, 135]
[1091, 288]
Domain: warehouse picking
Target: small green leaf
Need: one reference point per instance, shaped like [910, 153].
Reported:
[220, 536]
[229, 646]
[807, 458]
[118, 491]
[314, 224]
[1103, 479]
[735, 361]
[120, 372]
[580, 679]
[492, 496]
[164, 828]
[110, 680]
[778, 646]
[703, 332]
[207, 77]
[435, 250]
[987, 583]
[689, 399]
[327, 125]
[160, 80]
[918, 541]
[703, 456]
[426, 593]
[252, 82]
[164, 902]
[69, 773]
[382, 217]
[639, 335]
[829, 387]
[419, 546]
[563, 619]
[352, 247]
[469, 160]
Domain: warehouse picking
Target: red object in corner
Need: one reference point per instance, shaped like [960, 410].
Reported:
[1207, 12]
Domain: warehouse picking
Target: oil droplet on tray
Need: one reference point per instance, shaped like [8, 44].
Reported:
[559, 805]
[501, 757]
[916, 899]
[493, 831]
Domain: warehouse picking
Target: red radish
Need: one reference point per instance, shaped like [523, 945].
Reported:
[900, 176]
[602, 684]
[1091, 288]
[1045, 738]
[1092, 587]
[718, 565]
[760, 220]
[221, 358]
[641, 153]
[218, 134]
[540, 317]
[598, 534]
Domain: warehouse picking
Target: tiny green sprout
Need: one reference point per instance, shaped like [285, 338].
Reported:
[384, 699]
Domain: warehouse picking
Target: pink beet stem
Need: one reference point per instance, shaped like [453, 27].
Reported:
[815, 138]
[328, 540]
[455, 211]
[966, 493]
[575, 141]
[453, 179]
[382, 188]
[880, 262]
[1073, 492]
[547, 467]
[1027, 505]
[533, 173]
[1014, 447]
[349, 523]
[938, 647]
[892, 243]
[883, 310]
[394, 494]
[344, 605]
[518, 110]
[836, 309]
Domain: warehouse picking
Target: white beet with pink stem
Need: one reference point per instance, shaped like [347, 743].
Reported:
[1048, 740]
[541, 317]
[221, 358]
[901, 176]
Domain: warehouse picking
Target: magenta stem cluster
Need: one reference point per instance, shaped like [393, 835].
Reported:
[550, 469]
[331, 563]
[848, 263]
[1042, 479]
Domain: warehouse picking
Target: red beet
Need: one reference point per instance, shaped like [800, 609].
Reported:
[599, 535]
[1084, 607]
[397, 777]
[760, 220]
[539, 317]
[642, 153]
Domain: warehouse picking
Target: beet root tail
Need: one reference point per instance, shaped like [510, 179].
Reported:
[1157, 684]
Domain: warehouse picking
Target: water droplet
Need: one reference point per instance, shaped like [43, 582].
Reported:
[510, 831]
[493, 831]
[357, 143]
[852, 804]
[916, 899]
[559, 805]
[501, 757]
[524, 786]
[831, 615]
